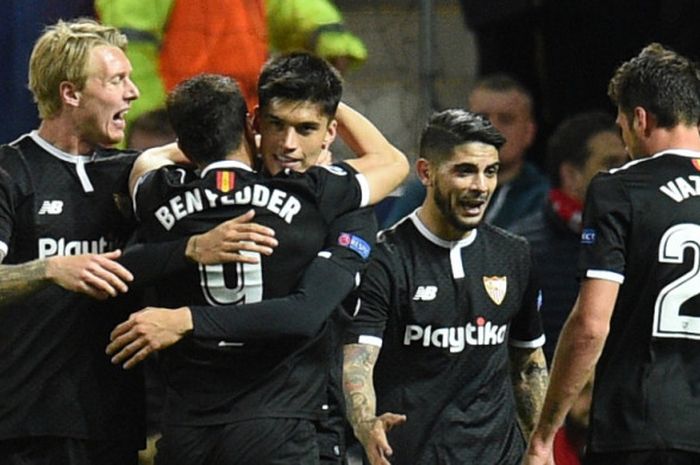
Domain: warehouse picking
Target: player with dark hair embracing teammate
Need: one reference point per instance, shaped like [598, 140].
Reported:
[248, 383]
[448, 313]
[637, 316]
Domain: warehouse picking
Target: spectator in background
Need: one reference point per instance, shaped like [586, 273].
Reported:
[580, 147]
[314, 26]
[172, 40]
[521, 186]
[150, 129]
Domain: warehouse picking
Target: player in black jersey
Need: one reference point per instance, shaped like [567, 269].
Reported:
[638, 310]
[446, 304]
[63, 213]
[287, 381]
[60, 400]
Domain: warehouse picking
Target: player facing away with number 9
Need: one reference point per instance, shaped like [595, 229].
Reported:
[638, 310]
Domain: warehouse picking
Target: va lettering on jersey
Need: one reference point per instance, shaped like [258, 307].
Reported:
[680, 189]
[48, 246]
[257, 195]
[482, 333]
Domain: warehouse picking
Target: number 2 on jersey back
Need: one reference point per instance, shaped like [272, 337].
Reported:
[248, 282]
[668, 321]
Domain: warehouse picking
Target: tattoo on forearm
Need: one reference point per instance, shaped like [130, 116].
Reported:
[17, 281]
[530, 378]
[358, 387]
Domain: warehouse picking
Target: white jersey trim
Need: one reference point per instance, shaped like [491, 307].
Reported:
[364, 189]
[535, 343]
[370, 340]
[455, 247]
[78, 160]
[606, 275]
[225, 164]
[3, 250]
[679, 152]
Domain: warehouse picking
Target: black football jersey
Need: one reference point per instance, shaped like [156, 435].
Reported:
[443, 314]
[218, 381]
[56, 378]
[642, 229]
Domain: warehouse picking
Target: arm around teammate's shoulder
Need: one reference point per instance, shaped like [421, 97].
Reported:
[384, 166]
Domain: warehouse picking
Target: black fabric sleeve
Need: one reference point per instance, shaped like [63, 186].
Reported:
[324, 284]
[152, 261]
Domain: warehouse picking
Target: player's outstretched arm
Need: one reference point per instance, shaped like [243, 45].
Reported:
[580, 345]
[324, 284]
[302, 314]
[361, 403]
[384, 166]
[528, 371]
[96, 275]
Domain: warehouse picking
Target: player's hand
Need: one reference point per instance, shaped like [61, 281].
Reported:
[229, 241]
[539, 451]
[372, 435]
[147, 331]
[96, 275]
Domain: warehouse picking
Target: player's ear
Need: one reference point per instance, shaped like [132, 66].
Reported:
[331, 133]
[69, 93]
[254, 119]
[642, 121]
[423, 170]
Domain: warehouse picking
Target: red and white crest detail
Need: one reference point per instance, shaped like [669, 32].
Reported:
[496, 287]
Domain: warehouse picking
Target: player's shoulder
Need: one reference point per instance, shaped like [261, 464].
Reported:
[17, 160]
[113, 155]
[335, 170]
[500, 236]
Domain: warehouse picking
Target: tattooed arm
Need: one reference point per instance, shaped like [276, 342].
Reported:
[528, 371]
[96, 275]
[360, 400]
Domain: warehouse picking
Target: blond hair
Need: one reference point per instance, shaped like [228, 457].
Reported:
[61, 54]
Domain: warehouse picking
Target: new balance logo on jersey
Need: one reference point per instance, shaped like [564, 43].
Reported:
[481, 333]
[425, 293]
[51, 207]
[48, 246]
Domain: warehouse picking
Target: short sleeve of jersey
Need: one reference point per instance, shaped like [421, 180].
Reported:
[605, 222]
[351, 238]
[526, 330]
[338, 188]
[375, 300]
[6, 211]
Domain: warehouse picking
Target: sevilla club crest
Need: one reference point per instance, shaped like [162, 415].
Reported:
[496, 288]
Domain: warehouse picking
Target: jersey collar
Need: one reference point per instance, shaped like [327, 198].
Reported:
[224, 165]
[58, 153]
[681, 152]
[78, 160]
[425, 232]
